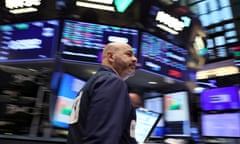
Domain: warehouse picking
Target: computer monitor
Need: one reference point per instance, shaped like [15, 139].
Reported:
[220, 125]
[221, 98]
[84, 42]
[69, 87]
[156, 104]
[146, 121]
[29, 41]
[176, 114]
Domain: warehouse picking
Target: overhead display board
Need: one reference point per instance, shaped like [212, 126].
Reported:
[162, 57]
[22, 6]
[28, 41]
[84, 42]
[170, 21]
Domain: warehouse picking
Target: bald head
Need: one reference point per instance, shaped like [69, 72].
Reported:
[120, 57]
[113, 48]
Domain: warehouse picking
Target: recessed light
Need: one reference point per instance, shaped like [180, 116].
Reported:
[152, 83]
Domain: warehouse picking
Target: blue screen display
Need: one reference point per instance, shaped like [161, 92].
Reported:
[162, 57]
[68, 90]
[156, 104]
[84, 42]
[29, 41]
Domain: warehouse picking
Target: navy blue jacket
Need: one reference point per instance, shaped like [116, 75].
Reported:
[102, 112]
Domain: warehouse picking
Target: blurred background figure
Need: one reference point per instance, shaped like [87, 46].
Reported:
[136, 99]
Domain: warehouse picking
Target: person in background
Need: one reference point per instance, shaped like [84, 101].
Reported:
[136, 100]
[102, 112]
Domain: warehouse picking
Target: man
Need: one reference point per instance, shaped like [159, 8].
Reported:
[102, 112]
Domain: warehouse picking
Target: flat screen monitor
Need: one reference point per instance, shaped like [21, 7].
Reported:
[162, 57]
[84, 42]
[176, 114]
[156, 104]
[221, 125]
[146, 121]
[223, 98]
[68, 90]
[28, 41]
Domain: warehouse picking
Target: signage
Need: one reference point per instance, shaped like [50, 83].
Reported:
[225, 98]
[169, 23]
[22, 6]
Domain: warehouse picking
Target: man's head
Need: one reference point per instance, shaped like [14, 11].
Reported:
[120, 57]
[136, 99]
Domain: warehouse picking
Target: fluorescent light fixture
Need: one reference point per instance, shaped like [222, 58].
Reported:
[23, 10]
[165, 28]
[95, 6]
[102, 1]
[217, 72]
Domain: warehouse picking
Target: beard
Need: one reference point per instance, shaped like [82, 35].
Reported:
[124, 69]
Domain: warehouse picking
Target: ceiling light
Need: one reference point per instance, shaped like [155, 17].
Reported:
[95, 6]
[23, 10]
[101, 1]
[152, 83]
[199, 90]
[165, 28]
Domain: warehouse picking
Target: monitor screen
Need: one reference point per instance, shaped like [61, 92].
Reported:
[176, 114]
[68, 90]
[27, 41]
[156, 104]
[146, 121]
[224, 98]
[84, 42]
[221, 125]
[162, 57]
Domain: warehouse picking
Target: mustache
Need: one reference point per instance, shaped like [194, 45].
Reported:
[135, 65]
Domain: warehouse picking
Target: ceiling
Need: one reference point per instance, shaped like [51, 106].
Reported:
[130, 18]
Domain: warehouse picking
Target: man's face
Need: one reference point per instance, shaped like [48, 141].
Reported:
[125, 61]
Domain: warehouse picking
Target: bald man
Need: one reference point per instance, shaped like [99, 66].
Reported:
[102, 112]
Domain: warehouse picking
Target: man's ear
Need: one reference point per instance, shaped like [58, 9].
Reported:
[110, 57]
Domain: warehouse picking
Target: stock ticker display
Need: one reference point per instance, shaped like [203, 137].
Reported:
[27, 41]
[84, 42]
[162, 57]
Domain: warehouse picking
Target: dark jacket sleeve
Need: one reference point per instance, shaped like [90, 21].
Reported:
[108, 112]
